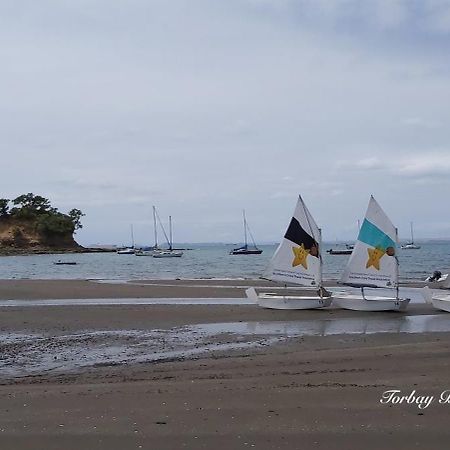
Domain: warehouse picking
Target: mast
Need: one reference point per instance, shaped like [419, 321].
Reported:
[162, 228]
[245, 228]
[155, 227]
[320, 259]
[170, 232]
[251, 236]
[412, 235]
[396, 266]
[132, 237]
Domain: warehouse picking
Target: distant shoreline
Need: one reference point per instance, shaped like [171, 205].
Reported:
[48, 251]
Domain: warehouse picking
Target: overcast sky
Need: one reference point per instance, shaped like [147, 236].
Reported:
[204, 108]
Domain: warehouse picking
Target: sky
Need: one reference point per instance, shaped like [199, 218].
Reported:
[204, 108]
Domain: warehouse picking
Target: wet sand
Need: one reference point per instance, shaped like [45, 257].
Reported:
[87, 376]
[60, 289]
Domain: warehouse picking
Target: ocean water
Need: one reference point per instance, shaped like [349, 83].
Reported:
[203, 261]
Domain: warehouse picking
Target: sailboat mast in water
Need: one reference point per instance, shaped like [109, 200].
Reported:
[170, 232]
[155, 230]
[245, 228]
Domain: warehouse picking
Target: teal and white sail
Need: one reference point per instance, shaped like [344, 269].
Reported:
[297, 258]
[373, 262]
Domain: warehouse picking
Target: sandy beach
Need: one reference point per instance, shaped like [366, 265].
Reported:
[225, 376]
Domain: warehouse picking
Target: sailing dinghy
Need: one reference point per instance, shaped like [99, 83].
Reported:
[438, 300]
[297, 260]
[372, 264]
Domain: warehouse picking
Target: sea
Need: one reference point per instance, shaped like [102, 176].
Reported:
[202, 261]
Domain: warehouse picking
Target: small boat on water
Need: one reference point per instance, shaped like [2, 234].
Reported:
[347, 250]
[297, 260]
[411, 245]
[245, 249]
[373, 264]
[144, 251]
[167, 254]
[65, 263]
[128, 250]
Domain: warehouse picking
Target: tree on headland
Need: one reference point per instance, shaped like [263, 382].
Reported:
[76, 215]
[30, 221]
[4, 208]
[48, 220]
[29, 205]
[56, 223]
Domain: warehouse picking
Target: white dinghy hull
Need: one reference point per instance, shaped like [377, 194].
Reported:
[370, 303]
[439, 301]
[276, 301]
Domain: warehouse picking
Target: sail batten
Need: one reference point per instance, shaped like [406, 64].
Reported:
[373, 262]
[297, 259]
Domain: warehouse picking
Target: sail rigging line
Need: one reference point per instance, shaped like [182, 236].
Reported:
[397, 265]
[132, 236]
[162, 227]
[155, 228]
[319, 251]
[170, 233]
[251, 236]
[245, 228]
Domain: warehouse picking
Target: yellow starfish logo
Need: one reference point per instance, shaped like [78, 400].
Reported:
[300, 255]
[375, 254]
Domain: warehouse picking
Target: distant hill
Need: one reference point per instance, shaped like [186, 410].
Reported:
[32, 225]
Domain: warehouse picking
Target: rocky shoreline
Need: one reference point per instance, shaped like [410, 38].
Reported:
[12, 251]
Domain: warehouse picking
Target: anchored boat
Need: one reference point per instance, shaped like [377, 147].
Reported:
[411, 245]
[245, 249]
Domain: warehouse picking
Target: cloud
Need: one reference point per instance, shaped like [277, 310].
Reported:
[208, 107]
[419, 122]
[419, 166]
[427, 165]
[372, 163]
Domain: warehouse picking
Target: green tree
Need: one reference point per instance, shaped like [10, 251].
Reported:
[55, 223]
[34, 203]
[4, 209]
[76, 215]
